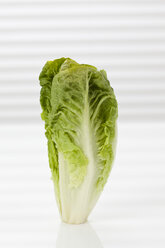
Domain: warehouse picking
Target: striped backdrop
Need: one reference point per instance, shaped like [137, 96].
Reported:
[125, 37]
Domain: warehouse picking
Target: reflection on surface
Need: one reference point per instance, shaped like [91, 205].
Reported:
[77, 236]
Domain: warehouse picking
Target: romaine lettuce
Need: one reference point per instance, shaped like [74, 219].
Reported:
[80, 112]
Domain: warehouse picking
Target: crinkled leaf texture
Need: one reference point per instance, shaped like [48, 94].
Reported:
[80, 112]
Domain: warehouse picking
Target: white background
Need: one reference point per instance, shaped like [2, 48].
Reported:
[127, 39]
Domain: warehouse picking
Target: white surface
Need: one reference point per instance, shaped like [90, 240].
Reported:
[130, 212]
[124, 37]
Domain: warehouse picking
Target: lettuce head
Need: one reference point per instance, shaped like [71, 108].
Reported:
[80, 110]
